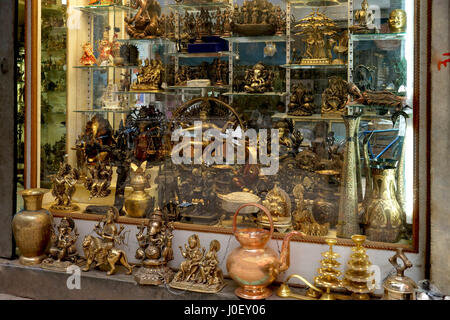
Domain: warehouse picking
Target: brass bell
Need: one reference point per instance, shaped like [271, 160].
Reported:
[398, 286]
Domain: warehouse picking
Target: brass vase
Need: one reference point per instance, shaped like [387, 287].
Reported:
[384, 215]
[348, 223]
[138, 202]
[32, 227]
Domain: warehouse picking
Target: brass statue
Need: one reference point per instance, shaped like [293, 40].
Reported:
[397, 21]
[155, 251]
[335, 97]
[98, 180]
[301, 101]
[149, 76]
[317, 31]
[364, 19]
[200, 272]
[103, 250]
[259, 79]
[64, 187]
[279, 204]
[62, 252]
[145, 24]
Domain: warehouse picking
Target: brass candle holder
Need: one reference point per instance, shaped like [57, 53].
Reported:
[328, 274]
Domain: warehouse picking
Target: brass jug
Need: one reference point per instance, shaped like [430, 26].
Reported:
[252, 265]
[138, 202]
[384, 215]
[398, 286]
[32, 227]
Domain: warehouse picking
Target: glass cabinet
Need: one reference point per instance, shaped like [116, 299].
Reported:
[198, 106]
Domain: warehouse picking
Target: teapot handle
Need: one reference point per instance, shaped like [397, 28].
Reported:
[406, 263]
[261, 207]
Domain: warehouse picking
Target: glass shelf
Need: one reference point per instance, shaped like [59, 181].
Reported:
[103, 68]
[256, 39]
[198, 6]
[322, 4]
[378, 36]
[266, 94]
[104, 111]
[103, 9]
[211, 88]
[163, 92]
[323, 66]
[323, 117]
[204, 54]
[161, 41]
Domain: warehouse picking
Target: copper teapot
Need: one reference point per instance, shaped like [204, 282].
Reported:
[253, 265]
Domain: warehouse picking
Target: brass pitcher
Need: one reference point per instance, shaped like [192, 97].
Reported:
[254, 266]
[32, 227]
[384, 215]
[138, 202]
[348, 223]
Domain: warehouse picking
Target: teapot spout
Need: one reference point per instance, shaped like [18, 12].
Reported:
[285, 250]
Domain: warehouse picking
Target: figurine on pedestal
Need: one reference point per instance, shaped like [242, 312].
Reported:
[199, 272]
[364, 19]
[301, 101]
[103, 250]
[62, 252]
[155, 251]
[64, 187]
[88, 58]
[258, 79]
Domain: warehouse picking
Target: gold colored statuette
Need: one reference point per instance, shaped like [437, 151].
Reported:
[64, 187]
[103, 250]
[328, 274]
[317, 31]
[357, 278]
[364, 19]
[279, 204]
[302, 101]
[149, 75]
[155, 251]
[98, 180]
[259, 79]
[397, 21]
[62, 252]
[200, 272]
[335, 97]
[146, 23]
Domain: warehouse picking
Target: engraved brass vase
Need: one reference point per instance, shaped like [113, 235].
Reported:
[348, 221]
[252, 265]
[384, 215]
[32, 227]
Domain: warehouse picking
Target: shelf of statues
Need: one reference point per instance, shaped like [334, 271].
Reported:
[198, 88]
[198, 5]
[254, 39]
[104, 68]
[378, 36]
[321, 117]
[218, 54]
[104, 9]
[294, 66]
[265, 94]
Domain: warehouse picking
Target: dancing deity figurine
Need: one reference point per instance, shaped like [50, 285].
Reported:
[62, 252]
[98, 180]
[149, 76]
[258, 79]
[364, 19]
[155, 251]
[64, 187]
[103, 251]
[200, 272]
[88, 58]
[145, 24]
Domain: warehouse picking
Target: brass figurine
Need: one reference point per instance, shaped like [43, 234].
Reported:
[103, 251]
[62, 252]
[200, 272]
[64, 187]
[301, 101]
[364, 19]
[397, 21]
[149, 76]
[258, 79]
[146, 23]
[335, 97]
[358, 278]
[98, 180]
[155, 251]
[317, 31]
[279, 204]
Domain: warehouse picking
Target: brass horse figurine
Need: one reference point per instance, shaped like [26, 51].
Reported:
[94, 251]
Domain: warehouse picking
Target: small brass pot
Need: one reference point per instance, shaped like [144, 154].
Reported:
[32, 227]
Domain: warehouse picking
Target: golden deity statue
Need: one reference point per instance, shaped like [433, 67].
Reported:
[149, 76]
[258, 79]
[364, 19]
[397, 21]
[200, 272]
[64, 187]
[146, 22]
[317, 31]
[103, 250]
[279, 204]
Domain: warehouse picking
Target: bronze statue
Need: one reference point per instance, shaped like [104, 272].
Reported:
[364, 19]
[258, 79]
[279, 204]
[62, 252]
[149, 76]
[103, 250]
[98, 180]
[145, 24]
[64, 182]
[335, 97]
[301, 101]
[155, 251]
[200, 272]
